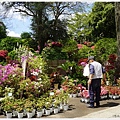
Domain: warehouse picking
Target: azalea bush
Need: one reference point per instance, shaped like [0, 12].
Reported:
[7, 104]
[3, 56]
[40, 104]
[28, 106]
[53, 51]
[10, 76]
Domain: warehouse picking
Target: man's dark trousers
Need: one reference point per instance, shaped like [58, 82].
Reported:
[95, 90]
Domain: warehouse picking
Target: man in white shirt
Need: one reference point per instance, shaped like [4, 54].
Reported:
[96, 74]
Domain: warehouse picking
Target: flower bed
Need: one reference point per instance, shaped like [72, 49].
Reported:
[107, 92]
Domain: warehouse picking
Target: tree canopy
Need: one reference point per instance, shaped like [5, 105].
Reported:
[102, 20]
[42, 13]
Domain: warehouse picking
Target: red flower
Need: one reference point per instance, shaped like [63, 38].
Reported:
[79, 46]
[82, 60]
[33, 78]
[3, 53]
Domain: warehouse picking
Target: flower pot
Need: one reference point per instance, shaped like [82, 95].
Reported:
[33, 112]
[70, 95]
[86, 100]
[39, 113]
[61, 106]
[82, 99]
[65, 107]
[51, 109]
[55, 110]
[29, 114]
[8, 115]
[74, 95]
[115, 97]
[24, 113]
[20, 115]
[15, 113]
[110, 96]
[47, 111]
[43, 110]
[58, 108]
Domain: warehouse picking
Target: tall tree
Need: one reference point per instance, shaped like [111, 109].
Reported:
[102, 20]
[78, 27]
[117, 20]
[40, 13]
[2, 30]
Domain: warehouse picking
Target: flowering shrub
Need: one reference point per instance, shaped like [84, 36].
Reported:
[56, 44]
[3, 53]
[3, 56]
[110, 67]
[10, 75]
[53, 51]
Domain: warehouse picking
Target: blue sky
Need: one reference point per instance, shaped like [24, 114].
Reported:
[16, 24]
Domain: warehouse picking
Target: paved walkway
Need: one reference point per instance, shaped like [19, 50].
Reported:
[109, 108]
[112, 112]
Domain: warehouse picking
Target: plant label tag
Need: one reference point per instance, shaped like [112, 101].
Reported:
[9, 94]
[51, 93]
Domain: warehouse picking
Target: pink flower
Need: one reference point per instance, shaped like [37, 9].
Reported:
[83, 63]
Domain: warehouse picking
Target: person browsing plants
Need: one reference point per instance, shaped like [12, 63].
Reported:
[96, 73]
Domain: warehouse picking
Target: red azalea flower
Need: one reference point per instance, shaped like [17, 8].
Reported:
[33, 78]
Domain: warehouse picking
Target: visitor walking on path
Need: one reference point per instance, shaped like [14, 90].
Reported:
[96, 73]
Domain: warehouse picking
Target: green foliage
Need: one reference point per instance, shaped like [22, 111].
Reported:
[53, 53]
[71, 49]
[78, 27]
[104, 47]
[7, 104]
[102, 20]
[2, 30]
[13, 55]
[25, 35]
[70, 46]
[9, 43]
[85, 51]
[40, 104]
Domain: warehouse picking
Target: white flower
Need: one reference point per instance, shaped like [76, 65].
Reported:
[34, 73]
[40, 71]
[39, 79]
[14, 75]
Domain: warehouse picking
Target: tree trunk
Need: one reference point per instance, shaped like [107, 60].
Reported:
[117, 20]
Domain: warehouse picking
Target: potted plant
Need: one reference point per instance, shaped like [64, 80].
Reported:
[29, 108]
[7, 106]
[56, 105]
[66, 102]
[74, 93]
[48, 105]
